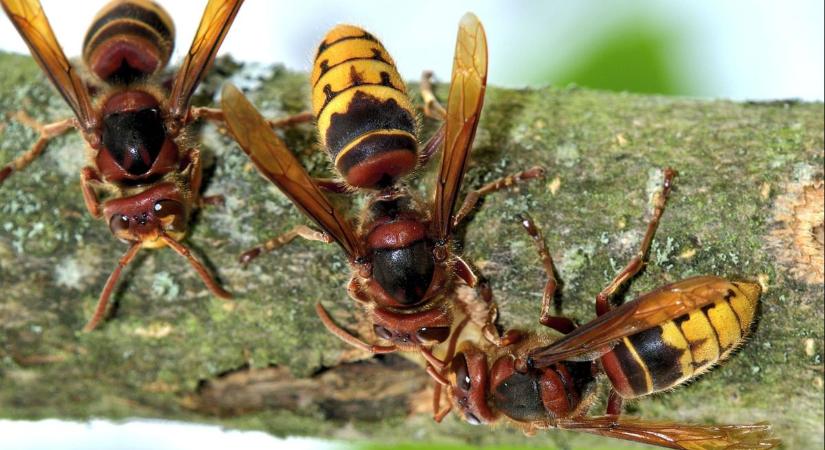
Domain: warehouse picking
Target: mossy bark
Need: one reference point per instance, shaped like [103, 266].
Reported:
[264, 361]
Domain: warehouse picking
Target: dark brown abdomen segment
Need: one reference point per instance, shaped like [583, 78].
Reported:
[128, 41]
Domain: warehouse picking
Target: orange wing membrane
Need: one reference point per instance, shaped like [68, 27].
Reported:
[31, 22]
[594, 338]
[215, 23]
[676, 435]
[469, 81]
[274, 160]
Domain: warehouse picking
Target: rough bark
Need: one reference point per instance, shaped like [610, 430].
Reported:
[745, 205]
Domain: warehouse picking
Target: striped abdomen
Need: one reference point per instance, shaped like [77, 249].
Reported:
[675, 351]
[365, 119]
[128, 40]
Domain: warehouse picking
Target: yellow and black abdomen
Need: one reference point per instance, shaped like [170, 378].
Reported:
[128, 41]
[365, 119]
[666, 355]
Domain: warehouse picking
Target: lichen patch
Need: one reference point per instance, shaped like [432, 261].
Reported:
[798, 238]
[78, 270]
[154, 330]
[554, 185]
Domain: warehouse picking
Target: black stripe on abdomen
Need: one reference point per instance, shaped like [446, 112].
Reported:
[632, 369]
[373, 145]
[366, 113]
[129, 11]
[325, 45]
[125, 28]
[662, 360]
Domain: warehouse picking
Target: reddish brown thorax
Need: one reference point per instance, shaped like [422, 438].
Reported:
[526, 396]
[136, 148]
[128, 101]
[396, 234]
[400, 250]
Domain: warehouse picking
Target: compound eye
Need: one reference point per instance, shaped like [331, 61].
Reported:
[433, 334]
[119, 226]
[170, 213]
[382, 332]
[462, 373]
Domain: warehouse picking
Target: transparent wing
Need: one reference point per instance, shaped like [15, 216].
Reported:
[643, 313]
[676, 435]
[31, 22]
[469, 81]
[274, 160]
[215, 23]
